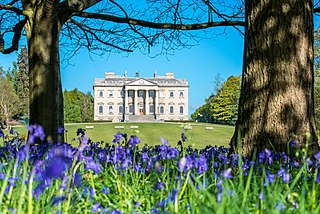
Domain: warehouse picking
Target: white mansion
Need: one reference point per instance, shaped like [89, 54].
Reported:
[122, 98]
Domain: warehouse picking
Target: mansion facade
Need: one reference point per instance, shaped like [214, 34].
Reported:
[122, 98]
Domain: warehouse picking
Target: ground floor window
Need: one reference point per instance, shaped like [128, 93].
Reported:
[151, 109]
[171, 110]
[120, 109]
[181, 109]
[110, 109]
[130, 108]
[161, 110]
[100, 109]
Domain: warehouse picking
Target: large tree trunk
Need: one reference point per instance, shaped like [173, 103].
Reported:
[46, 101]
[276, 102]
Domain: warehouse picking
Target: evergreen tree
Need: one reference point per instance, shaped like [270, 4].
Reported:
[22, 82]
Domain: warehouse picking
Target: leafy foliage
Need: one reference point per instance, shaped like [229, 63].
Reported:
[8, 99]
[222, 107]
[78, 107]
[225, 105]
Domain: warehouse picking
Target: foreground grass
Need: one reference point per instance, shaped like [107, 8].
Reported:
[124, 178]
[150, 133]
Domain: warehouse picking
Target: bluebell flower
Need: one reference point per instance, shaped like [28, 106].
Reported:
[293, 143]
[227, 174]
[134, 140]
[11, 131]
[182, 164]
[105, 190]
[91, 164]
[183, 136]
[80, 131]
[95, 207]
[117, 137]
[57, 200]
[280, 206]
[318, 178]
[261, 196]
[1, 133]
[60, 130]
[317, 156]
[92, 193]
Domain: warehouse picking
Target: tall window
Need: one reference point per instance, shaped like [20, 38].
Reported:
[120, 109]
[181, 94]
[171, 110]
[141, 94]
[110, 93]
[130, 93]
[100, 109]
[100, 93]
[110, 109]
[171, 93]
[130, 108]
[161, 110]
[151, 109]
[151, 93]
[181, 109]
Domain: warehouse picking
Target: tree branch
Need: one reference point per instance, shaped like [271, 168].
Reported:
[15, 39]
[11, 8]
[86, 30]
[316, 10]
[149, 24]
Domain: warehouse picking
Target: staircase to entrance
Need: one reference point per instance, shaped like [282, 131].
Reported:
[142, 118]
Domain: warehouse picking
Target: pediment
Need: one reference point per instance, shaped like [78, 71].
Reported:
[141, 82]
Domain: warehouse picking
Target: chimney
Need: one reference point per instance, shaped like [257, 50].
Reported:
[169, 75]
[109, 75]
[155, 74]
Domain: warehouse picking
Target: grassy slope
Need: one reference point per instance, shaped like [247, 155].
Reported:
[150, 133]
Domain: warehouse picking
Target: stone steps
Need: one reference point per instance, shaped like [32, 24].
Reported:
[141, 118]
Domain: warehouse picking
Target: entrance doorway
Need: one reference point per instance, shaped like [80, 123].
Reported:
[141, 110]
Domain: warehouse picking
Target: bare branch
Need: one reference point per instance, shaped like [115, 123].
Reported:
[11, 8]
[84, 29]
[158, 25]
[17, 30]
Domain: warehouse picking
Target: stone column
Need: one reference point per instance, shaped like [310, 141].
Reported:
[126, 98]
[136, 107]
[147, 102]
[156, 107]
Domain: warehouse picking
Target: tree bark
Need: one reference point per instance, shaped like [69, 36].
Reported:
[46, 100]
[276, 102]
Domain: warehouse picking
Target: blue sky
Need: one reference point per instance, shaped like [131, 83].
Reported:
[199, 65]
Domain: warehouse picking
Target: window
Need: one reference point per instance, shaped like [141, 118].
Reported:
[100, 93]
[120, 109]
[151, 93]
[181, 109]
[171, 110]
[161, 110]
[130, 93]
[171, 93]
[100, 109]
[110, 93]
[161, 94]
[181, 94]
[141, 94]
[130, 108]
[110, 109]
[151, 109]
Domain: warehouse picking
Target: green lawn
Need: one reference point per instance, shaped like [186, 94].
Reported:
[150, 133]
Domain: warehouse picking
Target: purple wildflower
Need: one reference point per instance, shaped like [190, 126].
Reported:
[92, 193]
[117, 137]
[60, 130]
[91, 164]
[134, 140]
[182, 164]
[317, 156]
[1, 133]
[80, 131]
[183, 137]
[105, 190]
[261, 196]
[11, 131]
[227, 173]
[95, 207]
